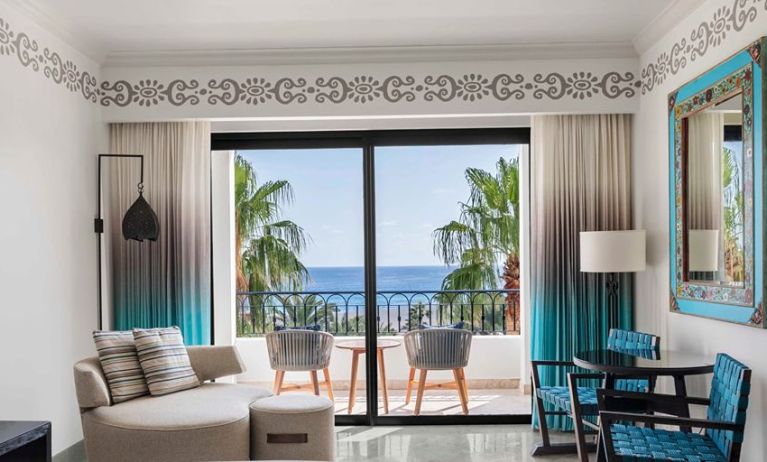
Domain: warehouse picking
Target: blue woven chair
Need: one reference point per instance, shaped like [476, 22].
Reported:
[724, 425]
[580, 402]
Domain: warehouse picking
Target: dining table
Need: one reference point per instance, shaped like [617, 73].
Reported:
[649, 364]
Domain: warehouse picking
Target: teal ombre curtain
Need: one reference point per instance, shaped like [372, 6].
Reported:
[167, 282]
[580, 181]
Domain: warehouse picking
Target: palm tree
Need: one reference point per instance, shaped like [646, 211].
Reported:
[485, 236]
[267, 248]
[732, 216]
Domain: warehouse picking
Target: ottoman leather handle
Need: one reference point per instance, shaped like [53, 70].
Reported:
[287, 438]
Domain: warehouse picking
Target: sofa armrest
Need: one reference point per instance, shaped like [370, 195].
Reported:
[212, 362]
[90, 384]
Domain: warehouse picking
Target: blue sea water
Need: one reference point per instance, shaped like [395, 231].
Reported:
[388, 278]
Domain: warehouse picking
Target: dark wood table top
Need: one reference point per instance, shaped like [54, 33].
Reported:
[650, 362]
[14, 434]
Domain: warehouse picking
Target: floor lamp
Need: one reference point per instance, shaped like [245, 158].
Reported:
[612, 252]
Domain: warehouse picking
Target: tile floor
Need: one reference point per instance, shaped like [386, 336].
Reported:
[480, 443]
[444, 402]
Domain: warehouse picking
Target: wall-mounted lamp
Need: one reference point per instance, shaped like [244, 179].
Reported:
[140, 221]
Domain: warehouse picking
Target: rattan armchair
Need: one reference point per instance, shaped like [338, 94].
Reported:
[300, 350]
[438, 349]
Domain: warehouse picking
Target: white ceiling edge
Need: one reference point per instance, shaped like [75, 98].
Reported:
[346, 55]
[50, 24]
[664, 23]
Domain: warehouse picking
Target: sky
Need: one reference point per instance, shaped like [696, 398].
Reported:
[417, 190]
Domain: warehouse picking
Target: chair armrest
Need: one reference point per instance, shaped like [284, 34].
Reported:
[91, 385]
[536, 363]
[212, 362]
[653, 397]
[607, 416]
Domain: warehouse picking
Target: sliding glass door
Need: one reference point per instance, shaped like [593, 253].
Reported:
[448, 226]
[405, 244]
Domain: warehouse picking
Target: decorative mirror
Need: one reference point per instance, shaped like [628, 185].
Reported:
[716, 155]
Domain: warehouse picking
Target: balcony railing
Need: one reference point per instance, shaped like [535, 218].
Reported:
[343, 313]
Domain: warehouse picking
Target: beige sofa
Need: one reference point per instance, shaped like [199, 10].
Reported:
[211, 422]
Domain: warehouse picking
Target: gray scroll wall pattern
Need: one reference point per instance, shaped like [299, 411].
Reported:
[732, 16]
[468, 87]
[59, 70]
[361, 89]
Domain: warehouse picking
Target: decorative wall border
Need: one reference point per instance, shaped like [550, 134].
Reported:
[61, 71]
[469, 87]
[707, 35]
[365, 88]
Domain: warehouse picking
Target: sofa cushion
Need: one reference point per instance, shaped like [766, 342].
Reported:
[208, 405]
[119, 361]
[164, 359]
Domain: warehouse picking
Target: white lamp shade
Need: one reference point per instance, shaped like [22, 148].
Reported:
[703, 250]
[612, 251]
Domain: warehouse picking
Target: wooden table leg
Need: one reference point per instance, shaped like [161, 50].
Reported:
[353, 380]
[382, 369]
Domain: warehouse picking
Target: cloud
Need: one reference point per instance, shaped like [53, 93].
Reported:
[388, 223]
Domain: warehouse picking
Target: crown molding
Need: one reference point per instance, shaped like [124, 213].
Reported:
[669, 18]
[50, 24]
[357, 55]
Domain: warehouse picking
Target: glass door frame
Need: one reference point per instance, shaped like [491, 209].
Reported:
[367, 141]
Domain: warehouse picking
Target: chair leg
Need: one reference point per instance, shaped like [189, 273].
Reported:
[409, 389]
[315, 383]
[542, 424]
[279, 376]
[328, 383]
[459, 387]
[575, 410]
[464, 387]
[419, 394]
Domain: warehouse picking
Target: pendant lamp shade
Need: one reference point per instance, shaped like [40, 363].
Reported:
[140, 222]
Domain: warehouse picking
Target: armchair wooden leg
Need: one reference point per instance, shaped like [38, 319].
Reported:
[419, 394]
[464, 386]
[459, 387]
[409, 388]
[542, 424]
[279, 376]
[328, 383]
[575, 409]
[315, 383]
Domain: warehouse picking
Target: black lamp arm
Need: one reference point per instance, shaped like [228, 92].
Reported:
[98, 223]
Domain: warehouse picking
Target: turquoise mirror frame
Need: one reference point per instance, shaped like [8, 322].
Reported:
[742, 72]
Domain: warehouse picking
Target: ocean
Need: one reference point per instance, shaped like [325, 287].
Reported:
[388, 278]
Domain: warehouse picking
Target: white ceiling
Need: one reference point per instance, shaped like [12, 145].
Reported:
[110, 27]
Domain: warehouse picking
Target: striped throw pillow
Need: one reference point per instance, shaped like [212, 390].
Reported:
[119, 361]
[164, 359]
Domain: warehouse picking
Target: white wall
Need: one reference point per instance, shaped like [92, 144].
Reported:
[49, 138]
[650, 170]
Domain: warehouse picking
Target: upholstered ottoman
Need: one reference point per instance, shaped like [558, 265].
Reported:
[292, 427]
